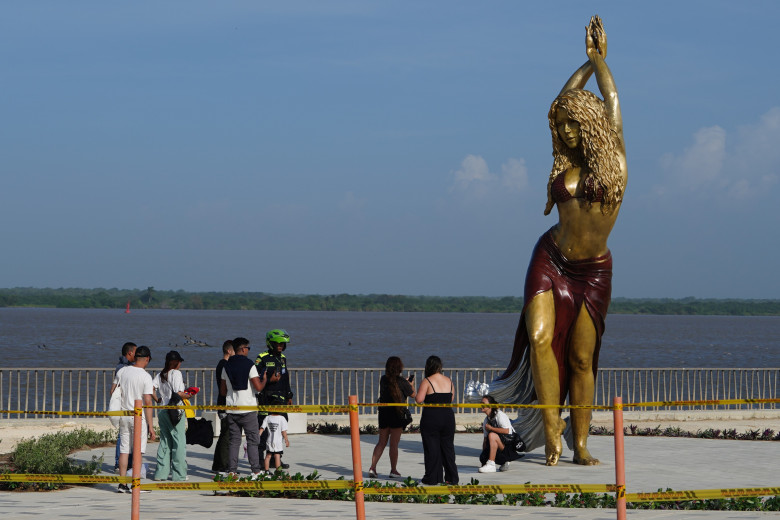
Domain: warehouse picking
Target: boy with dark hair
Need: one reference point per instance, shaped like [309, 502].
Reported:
[135, 383]
[125, 360]
[222, 451]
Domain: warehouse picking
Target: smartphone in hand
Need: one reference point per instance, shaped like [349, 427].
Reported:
[410, 378]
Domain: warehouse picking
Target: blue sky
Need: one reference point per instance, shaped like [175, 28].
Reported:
[376, 147]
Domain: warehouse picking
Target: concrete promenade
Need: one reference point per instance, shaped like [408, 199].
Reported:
[652, 463]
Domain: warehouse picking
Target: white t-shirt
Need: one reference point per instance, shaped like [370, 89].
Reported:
[133, 382]
[175, 383]
[276, 424]
[502, 421]
[241, 397]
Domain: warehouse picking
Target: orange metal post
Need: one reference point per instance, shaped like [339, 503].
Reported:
[620, 459]
[357, 466]
[135, 510]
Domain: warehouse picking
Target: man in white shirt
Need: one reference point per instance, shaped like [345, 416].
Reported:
[240, 381]
[134, 383]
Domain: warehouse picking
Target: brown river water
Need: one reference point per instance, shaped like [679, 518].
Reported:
[92, 338]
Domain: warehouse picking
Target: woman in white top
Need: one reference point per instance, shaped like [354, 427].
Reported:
[495, 425]
[172, 451]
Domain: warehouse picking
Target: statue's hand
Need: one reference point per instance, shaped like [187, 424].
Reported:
[596, 38]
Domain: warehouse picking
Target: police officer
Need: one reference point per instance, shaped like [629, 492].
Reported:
[273, 363]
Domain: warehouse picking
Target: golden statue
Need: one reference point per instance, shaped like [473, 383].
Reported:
[568, 283]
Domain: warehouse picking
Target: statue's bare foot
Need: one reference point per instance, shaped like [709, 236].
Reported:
[584, 458]
[553, 446]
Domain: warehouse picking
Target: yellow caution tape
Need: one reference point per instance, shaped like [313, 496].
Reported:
[500, 405]
[64, 479]
[250, 485]
[306, 485]
[53, 412]
[702, 403]
[490, 489]
[701, 494]
[288, 408]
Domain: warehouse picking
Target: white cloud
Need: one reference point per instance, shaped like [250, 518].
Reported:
[514, 174]
[723, 165]
[474, 177]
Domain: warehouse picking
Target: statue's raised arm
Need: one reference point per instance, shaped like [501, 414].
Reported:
[595, 41]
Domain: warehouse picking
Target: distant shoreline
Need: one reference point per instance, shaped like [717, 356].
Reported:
[150, 298]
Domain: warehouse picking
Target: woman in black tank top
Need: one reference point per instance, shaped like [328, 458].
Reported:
[437, 425]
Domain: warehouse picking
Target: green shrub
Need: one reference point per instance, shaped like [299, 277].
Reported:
[49, 455]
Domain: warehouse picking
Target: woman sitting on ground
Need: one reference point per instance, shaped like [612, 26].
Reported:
[495, 427]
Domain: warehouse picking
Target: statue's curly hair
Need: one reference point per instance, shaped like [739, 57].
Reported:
[598, 150]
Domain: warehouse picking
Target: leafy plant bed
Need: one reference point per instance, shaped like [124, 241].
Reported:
[49, 455]
[710, 433]
[574, 500]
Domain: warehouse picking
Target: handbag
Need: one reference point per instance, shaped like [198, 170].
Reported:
[175, 414]
[407, 417]
[200, 431]
[513, 441]
[115, 405]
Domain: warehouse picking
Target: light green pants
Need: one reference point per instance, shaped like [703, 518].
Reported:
[172, 451]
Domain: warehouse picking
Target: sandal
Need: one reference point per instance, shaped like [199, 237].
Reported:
[395, 475]
[371, 473]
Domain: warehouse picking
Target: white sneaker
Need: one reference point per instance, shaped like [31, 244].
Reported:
[489, 467]
[504, 467]
[257, 475]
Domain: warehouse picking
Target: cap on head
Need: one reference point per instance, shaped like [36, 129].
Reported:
[276, 336]
[142, 351]
[173, 356]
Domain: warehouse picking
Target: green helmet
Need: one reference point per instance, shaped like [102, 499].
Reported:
[276, 336]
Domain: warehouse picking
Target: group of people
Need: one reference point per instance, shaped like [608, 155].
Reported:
[437, 424]
[265, 381]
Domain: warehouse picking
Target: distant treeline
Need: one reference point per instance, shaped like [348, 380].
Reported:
[150, 298]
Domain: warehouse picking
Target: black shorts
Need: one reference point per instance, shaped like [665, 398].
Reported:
[390, 417]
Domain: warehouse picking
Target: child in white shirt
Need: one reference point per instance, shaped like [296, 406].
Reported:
[277, 438]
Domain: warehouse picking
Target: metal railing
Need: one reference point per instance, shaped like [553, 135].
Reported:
[87, 389]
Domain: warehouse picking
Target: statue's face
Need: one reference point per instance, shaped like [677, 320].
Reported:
[568, 128]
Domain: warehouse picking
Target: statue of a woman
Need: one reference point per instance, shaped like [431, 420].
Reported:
[568, 283]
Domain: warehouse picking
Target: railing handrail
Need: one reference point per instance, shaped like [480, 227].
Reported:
[87, 389]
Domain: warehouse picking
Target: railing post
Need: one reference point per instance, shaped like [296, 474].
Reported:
[620, 460]
[357, 466]
[135, 510]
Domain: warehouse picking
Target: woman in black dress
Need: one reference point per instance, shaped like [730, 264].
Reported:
[392, 389]
[437, 426]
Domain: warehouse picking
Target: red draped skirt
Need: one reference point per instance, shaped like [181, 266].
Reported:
[573, 283]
